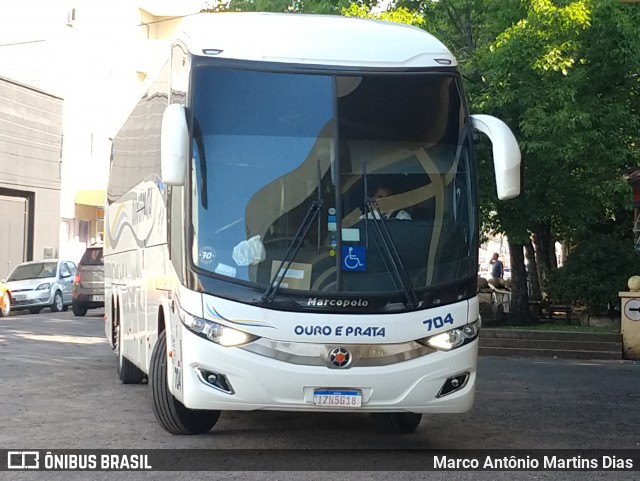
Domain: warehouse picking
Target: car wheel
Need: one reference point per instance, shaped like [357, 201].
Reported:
[6, 305]
[172, 415]
[397, 423]
[58, 304]
[78, 310]
[127, 371]
[35, 310]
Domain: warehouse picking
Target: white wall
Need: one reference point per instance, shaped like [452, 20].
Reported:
[96, 64]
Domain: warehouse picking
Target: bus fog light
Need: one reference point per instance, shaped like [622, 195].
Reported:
[453, 384]
[215, 380]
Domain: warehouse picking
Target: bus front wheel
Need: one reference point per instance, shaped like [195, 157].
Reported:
[172, 415]
[397, 423]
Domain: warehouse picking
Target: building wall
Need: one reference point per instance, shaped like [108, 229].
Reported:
[30, 156]
[97, 61]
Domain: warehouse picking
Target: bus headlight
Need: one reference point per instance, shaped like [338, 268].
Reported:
[223, 335]
[454, 338]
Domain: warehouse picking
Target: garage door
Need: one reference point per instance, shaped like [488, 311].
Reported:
[12, 233]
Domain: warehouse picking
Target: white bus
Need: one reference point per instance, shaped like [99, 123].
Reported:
[292, 223]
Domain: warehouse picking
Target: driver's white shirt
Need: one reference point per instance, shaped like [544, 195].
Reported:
[397, 215]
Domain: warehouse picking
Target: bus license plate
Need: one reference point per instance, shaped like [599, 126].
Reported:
[337, 398]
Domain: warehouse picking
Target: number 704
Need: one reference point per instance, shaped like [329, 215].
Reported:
[438, 322]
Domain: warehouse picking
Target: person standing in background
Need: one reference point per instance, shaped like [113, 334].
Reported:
[497, 269]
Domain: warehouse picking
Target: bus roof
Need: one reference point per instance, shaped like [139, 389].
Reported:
[312, 39]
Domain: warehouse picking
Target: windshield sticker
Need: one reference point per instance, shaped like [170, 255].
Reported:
[331, 223]
[351, 235]
[297, 276]
[354, 258]
[207, 255]
[353, 331]
[225, 270]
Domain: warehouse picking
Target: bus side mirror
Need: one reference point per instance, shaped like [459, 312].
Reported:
[174, 145]
[506, 154]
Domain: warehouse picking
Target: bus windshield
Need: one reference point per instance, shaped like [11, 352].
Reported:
[361, 183]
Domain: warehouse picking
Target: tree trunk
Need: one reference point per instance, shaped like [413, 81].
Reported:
[519, 296]
[553, 258]
[532, 273]
[542, 240]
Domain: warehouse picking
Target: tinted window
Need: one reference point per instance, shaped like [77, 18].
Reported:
[92, 257]
[38, 270]
[64, 270]
[286, 165]
[261, 150]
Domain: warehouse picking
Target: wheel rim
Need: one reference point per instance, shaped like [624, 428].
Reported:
[58, 301]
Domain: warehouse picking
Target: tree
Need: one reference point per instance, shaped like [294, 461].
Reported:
[563, 78]
[398, 14]
[595, 272]
[331, 7]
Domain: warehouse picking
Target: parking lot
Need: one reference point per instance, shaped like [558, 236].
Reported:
[59, 390]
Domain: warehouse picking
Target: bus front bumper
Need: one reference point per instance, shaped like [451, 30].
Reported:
[256, 382]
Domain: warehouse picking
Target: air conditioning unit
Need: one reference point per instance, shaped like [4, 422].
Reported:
[49, 252]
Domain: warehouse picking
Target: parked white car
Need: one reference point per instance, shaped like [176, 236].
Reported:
[39, 284]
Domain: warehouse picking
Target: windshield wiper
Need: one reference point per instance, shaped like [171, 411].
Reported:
[293, 249]
[314, 209]
[389, 249]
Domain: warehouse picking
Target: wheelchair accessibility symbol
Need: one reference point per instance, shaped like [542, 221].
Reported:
[354, 258]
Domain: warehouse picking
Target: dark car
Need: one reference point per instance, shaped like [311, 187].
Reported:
[88, 285]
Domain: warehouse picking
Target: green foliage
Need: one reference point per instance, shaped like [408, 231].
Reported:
[330, 7]
[595, 272]
[563, 78]
[465, 25]
[398, 15]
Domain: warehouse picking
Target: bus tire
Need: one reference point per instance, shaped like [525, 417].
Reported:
[397, 423]
[128, 372]
[172, 415]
